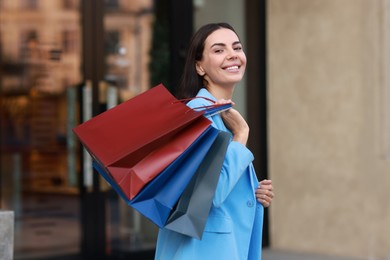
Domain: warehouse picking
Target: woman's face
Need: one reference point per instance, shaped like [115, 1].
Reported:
[223, 62]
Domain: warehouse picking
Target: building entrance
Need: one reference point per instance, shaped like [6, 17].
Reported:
[47, 88]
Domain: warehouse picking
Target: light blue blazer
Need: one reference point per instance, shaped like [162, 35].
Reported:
[234, 227]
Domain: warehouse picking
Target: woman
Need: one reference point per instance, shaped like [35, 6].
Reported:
[215, 64]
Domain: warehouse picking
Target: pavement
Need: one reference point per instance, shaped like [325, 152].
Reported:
[271, 254]
[49, 225]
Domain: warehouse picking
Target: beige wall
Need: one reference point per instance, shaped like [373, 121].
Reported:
[329, 126]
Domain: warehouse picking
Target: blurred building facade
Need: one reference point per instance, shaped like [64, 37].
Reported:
[316, 96]
[44, 94]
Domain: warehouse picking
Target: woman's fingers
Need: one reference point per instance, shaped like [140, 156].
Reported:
[264, 193]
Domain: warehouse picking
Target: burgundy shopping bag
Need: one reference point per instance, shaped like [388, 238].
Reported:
[137, 139]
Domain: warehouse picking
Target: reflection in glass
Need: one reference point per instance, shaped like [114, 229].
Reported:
[40, 66]
[40, 70]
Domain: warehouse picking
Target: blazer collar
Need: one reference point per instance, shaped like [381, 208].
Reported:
[203, 92]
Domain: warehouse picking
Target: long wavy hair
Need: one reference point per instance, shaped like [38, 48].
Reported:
[191, 82]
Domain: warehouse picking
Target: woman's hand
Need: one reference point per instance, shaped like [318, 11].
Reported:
[235, 123]
[264, 193]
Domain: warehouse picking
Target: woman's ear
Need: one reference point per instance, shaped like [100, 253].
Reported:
[199, 69]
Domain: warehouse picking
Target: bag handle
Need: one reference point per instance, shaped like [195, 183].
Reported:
[185, 100]
[209, 110]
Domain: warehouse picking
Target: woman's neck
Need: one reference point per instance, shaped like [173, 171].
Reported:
[221, 92]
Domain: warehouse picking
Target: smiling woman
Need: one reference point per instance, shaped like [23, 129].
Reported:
[215, 63]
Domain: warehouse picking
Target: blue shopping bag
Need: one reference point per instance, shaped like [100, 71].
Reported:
[157, 199]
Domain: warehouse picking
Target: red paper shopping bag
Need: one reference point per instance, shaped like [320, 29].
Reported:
[137, 139]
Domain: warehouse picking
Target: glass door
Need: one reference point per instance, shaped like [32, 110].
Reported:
[117, 44]
[62, 62]
[40, 50]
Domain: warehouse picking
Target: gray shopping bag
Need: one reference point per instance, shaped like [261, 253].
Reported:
[190, 215]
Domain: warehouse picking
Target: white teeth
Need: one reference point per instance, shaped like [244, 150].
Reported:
[232, 68]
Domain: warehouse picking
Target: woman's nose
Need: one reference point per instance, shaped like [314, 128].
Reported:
[232, 55]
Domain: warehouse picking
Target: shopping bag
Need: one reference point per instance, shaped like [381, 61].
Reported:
[149, 166]
[190, 215]
[136, 140]
[106, 175]
[157, 199]
[134, 179]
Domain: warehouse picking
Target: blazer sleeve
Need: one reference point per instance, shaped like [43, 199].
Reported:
[237, 160]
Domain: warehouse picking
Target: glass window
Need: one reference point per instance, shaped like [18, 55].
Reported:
[29, 4]
[111, 4]
[70, 41]
[112, 42]
[70, 4]
[38, 107]
[40, 63]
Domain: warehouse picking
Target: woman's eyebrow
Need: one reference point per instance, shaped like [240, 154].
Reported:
[223, 44]
[218, 44]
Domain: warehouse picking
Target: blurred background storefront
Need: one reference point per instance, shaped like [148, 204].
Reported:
[62, 62]
[48, 85]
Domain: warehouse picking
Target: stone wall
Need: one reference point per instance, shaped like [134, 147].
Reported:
[329, 126]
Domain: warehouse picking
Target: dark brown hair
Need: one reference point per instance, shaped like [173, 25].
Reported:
[190, 82]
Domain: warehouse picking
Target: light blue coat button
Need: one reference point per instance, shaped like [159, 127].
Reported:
[250, 203]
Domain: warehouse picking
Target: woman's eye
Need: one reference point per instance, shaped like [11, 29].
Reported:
[238, 48]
